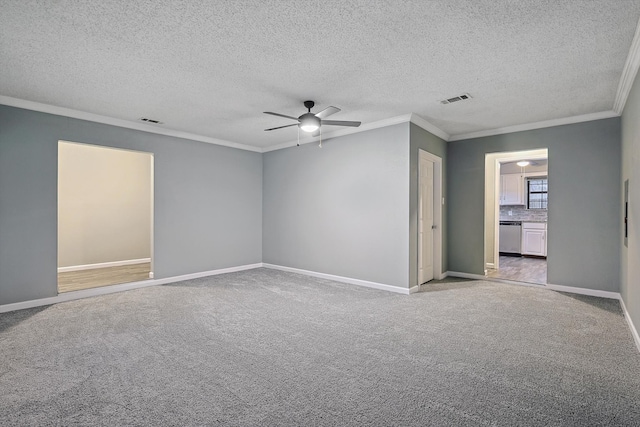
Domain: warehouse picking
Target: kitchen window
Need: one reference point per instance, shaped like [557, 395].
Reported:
[537, 193]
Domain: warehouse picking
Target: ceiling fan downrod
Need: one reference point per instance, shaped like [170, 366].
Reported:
[309, 105]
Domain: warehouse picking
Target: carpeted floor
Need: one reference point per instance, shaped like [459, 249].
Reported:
[269, 348]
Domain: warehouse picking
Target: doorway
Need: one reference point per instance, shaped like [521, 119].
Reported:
[516, 190]
[429, 217]
[105, 216]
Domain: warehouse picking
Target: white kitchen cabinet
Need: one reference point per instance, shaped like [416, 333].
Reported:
[534, 238]
[512, 189]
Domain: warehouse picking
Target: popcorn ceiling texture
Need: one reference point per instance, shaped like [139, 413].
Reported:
[212, 67]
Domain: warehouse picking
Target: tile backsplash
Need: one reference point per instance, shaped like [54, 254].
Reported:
[521, 213]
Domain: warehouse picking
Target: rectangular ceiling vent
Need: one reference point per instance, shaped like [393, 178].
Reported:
[144, 119]
[462, 97]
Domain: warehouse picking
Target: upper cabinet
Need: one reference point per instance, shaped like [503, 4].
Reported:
[512, 189]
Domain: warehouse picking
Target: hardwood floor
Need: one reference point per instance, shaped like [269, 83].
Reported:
[87, 279]
[521, 269]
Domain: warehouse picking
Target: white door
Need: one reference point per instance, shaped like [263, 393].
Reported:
[425, 221]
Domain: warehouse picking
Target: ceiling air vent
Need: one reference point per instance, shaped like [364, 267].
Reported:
[462, 97]
[144, 119]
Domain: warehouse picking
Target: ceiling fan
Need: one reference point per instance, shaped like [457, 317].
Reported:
[309, 122]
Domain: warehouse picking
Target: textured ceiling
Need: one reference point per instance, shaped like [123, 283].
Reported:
[212, 67]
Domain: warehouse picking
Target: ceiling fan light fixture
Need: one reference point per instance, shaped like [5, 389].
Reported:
[523, 163]
[309, 127]
[309, 122]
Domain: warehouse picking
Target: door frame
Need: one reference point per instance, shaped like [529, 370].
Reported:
[438, 201]
[151, 195]
[492, 199]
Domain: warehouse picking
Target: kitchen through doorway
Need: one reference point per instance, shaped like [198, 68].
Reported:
[105, 216]
[516, 216]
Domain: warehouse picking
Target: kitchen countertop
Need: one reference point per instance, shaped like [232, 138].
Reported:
[523, 220]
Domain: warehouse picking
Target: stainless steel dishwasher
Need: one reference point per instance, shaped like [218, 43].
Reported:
[510, 237]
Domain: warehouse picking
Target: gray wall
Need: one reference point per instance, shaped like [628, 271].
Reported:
[584, 201]
[342, 209]
[630, 289]
[208, 200]
[420, 139]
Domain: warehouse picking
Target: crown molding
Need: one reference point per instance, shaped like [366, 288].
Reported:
[406, 118]
[429, 127]
[537, 125]
[97, 118]
[629, 73]
[342, 132]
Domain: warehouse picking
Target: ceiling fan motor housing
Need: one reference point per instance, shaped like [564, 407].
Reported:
[309, 122]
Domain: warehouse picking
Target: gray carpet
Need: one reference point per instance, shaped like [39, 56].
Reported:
[268, 348]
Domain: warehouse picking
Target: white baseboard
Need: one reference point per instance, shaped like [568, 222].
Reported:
[349, 280]
[104, 290]
[515, 282]
[559, 288]
[634, 331]
[465, 275]
[492, 279]
[583, 291]
[103, 265]
[207, 273]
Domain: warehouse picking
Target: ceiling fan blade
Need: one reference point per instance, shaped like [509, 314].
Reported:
[281, 115]
[280, 127]
[327, 112]
[340, 123]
